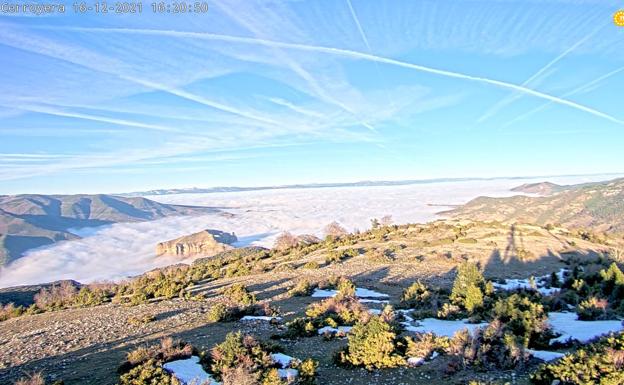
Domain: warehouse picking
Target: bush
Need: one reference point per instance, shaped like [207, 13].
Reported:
[490, 348]
[220, 312]
[141, 319]
[33, 379]
[301, 289]
[168, 350]
[150, 372]
[239, 295]
[415, 296]
[469, 288]
[372, 345]
[423, 345]
[341, 310]
[601, 363]
[311, 265]
[10, 311]
[593, 309]
[522, 318]
[236, 351]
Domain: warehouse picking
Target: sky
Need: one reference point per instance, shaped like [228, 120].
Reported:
[280, 92]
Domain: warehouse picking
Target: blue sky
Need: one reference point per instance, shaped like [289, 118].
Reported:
[279, 92]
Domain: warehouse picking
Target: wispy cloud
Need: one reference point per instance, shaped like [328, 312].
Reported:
[364, 56]
[511, 98]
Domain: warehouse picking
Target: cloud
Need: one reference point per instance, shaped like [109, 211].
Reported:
[364, 56]
[125, 249]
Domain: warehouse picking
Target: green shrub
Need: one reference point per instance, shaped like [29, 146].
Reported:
[150, 372]
[344, 310]
[219, 312]
[10, 311]
[593, 309]
[372, 345]
[301, 289]
[468, 288]
[601, 363]
[312, 265]
[423, 345]
[522, 318]
[239, 350]
[141, 319]
[300, 327]
[415, 296]
[239, 295]
[491, 347]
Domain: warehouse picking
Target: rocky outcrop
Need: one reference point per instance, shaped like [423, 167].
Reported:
[204, 243]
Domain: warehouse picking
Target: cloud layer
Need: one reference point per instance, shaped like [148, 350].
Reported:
[125, 249]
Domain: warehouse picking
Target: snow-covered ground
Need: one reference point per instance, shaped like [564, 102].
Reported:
[189, 371]
[539, 284]
[571, 328]
[359, 292]
[441, 327]
[252, 318]
[125, 249]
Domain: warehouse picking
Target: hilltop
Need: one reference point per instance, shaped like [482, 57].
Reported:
[82, 345]
[30, 221]
[599, 206]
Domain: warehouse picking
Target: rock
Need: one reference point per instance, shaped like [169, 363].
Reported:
[203, 243]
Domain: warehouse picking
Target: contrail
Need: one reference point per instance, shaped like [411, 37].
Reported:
[297, 68]
[370, 50]
[119, 122]
[354, 55]
[509, 99]
[95, 63]
[575, 91]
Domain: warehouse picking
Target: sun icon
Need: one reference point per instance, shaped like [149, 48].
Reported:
[618, 18]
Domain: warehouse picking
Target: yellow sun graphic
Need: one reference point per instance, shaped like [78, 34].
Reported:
[618, 18]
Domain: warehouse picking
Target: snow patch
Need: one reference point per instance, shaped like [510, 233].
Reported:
[189, 371]
[282, 359]
[249, 318]
[338, 330]
[442, 327]
[359, 292]
[545, 355]
[571, 328]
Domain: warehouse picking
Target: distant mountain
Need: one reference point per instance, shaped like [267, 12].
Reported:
[366, 183]
[29, 221]
[599, 206]
[542, 188]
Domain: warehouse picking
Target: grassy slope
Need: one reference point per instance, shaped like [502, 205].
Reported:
[86, 345]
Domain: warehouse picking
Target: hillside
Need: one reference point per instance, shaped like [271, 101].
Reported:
[87, 345]
[29, 221]
[599, 206]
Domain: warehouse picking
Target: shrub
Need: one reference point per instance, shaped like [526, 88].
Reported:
[334, 230]
[301, 289]
[150, 372]
[239, 295]
[372, 345]
[141, 319]
[490, 347]
[307, 372]
[468, 288]
[10, 311]
[33, 379]
[601, 363]
[423, 345]
[522, 318]
[238, 350]
[342, 310]
[415, 296]
[168, 350]
[285, 241]
[450, 312]
[593, 309]
[311, 265]
[219, 312]
[300, 327]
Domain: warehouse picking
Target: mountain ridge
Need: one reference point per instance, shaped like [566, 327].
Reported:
[29, 221]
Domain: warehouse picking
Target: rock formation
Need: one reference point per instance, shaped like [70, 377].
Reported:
[204, 243]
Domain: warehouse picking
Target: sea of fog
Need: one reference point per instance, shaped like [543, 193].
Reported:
[125, 249]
